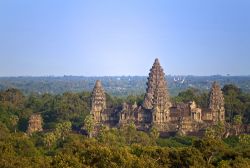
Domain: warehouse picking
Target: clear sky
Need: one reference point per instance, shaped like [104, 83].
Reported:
[123, 37]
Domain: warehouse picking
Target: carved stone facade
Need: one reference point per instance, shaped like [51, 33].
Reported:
[157, 109]
[157, 97]
[195, 112]
[98, 102]
[216, 103]
[35, 123]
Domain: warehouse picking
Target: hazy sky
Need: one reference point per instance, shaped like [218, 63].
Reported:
[123, 37]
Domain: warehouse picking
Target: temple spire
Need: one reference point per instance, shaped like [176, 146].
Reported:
[216, 103]
[98, 101]
[157, 95]
[35, 123]
[157, 61]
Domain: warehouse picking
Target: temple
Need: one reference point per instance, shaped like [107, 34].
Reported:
[157, 99]
[98, 102]
[216, 103]
[35, 123]
[157, 109]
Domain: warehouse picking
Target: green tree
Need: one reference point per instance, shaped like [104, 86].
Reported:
[244, 139]
[187, 95]
[202, 100]
[154, 133]
[227, 89]
[186, 157]
[49, 139]
[63, 129]
[233, 103]
[65, 160]
[89, 125]
[215, 131]
[4, 131]
[237, 122]
[13, 98]
[210, 148]
[104, 130]
[129, 132]
[14, 121]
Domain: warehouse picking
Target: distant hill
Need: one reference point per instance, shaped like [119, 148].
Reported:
[116, 85]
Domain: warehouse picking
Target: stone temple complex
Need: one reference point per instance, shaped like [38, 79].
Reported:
[157, 109]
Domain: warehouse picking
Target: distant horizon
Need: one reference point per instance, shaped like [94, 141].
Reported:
[174, 75]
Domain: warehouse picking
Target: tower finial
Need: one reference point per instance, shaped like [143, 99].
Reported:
[157, 61]
[98, 83]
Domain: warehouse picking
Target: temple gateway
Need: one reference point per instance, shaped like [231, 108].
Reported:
[157, 109]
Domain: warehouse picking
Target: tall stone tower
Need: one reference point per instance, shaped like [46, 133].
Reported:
[98, 101]
[157, 97]
[216, 103]
[35, 123]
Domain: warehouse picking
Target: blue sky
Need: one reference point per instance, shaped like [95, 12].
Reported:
[123, 37]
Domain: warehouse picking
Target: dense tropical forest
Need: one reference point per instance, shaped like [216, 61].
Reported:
[64, 143]
[121, 86]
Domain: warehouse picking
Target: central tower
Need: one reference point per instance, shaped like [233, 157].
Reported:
[157, 97]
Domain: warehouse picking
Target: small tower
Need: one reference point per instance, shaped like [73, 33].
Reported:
[216, 103]
[134, 106]
[195, 111]
[35, 123]
[98, 101]
[157, 96]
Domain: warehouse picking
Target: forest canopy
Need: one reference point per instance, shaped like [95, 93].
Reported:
[63, 143]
